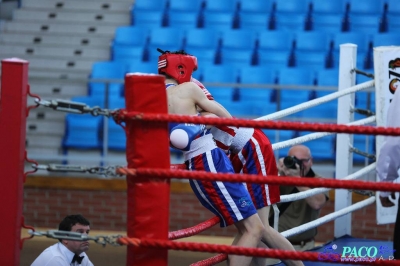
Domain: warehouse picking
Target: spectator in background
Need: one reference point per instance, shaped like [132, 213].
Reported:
[296, 213]
[67, 252]
[388, 165]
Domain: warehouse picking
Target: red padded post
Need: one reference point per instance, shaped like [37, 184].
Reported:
[147, 147]
[14, 89]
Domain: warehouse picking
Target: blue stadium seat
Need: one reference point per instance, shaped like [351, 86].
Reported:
[131, 35]
[312, 41]
[150, 5]
[182, 19]
[256, 75]
[147, 19]
[83, 131]
[237, 47]
[187, 6]
[393, 22]
[254, 21]
[220, 74]
[116, 136]
[202, 38]
[385, 39]
[328, 7]
[219, 6]
[274, 58]
[275, 47]
[312, 61]
[220, 21]
[292, 6]
[276, 40]
[127, 53]
[237, 58]
[328, 77]
[293, 22]
[238, 39]
[331, 23]
[143, 67]
[106, 70]
[393, 7]
[312, 49]
[256, 6]
[365, 7]
[295, 76]
[255, 14]
[367, 24]
[170, 39]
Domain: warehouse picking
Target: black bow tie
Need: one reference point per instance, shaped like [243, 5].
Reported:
[77, 259]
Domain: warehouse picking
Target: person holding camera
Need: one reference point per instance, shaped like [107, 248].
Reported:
[298, 163]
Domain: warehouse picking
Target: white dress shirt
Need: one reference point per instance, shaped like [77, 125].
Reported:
[59, 255]
[388, 162]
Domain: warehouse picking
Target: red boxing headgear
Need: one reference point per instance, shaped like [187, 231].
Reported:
[178, 65]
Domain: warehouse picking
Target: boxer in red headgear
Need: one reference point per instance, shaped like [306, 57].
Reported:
[251, 153]
[230, 201]
[178, 65]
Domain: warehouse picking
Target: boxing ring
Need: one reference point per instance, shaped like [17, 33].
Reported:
[148, 173]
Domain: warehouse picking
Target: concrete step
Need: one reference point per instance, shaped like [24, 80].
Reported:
[87, 5]
[40, 127]
[62, 16]
[72, 65]
[58, 89]
[44, 141]
[44, 38]
[21, 50]
[60, 28]
[45, 114]
[55, 75]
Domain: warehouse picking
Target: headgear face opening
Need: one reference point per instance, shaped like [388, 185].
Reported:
[178, 65]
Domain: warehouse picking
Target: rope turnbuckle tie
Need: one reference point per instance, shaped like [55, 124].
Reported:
[75, 107]
[109, 171]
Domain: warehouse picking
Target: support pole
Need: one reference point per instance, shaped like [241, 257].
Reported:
[344, 158]
[14, 88]
[147, 147]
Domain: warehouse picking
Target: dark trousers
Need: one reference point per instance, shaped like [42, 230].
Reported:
[396, 236]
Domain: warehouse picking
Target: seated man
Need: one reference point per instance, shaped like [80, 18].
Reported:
[201, 153]
[67, 252]
[293, 214]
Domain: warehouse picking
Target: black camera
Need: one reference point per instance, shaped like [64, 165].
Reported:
[290, 162]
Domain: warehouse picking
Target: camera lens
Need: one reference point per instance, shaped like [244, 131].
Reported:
[289, 162]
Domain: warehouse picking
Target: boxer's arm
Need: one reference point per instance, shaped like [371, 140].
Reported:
[205, 104]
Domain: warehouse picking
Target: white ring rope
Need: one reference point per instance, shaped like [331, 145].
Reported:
[318, 101]
[314, 191]
[317, 135]
[328, 218]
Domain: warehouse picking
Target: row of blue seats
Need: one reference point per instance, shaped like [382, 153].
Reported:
[266, 6]
[371, 16]
[282, 48]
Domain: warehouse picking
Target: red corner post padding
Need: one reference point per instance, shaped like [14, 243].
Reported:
[147, 147]
[14, 88]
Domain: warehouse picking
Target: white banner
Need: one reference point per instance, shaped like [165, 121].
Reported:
[387, 77]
